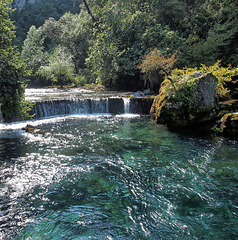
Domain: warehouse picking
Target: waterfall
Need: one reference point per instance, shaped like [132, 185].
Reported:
[114, 105]
[85, 106]
[81, 106]
[126, 105]
[67, 107]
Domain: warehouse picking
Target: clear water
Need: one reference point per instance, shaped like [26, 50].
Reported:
[115, 177]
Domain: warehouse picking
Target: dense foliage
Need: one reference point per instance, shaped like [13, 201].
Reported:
[11, 68]
[107, 40]
[60, 67]
[37, 11]
[223, 74]
[155, 67]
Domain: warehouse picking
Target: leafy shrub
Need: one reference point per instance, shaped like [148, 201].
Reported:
[79, 80]
[60, 68]
[223, 74]
[25, 109]
[155, 66]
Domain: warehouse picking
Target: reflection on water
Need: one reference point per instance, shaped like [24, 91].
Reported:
[115, 177]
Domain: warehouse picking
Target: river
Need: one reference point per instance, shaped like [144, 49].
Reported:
[104, 176]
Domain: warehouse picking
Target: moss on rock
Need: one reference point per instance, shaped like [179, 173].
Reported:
[188, 101]
[229, 124]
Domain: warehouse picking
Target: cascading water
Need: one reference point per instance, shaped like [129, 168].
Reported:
[57, 102]
[68, 107]
[81, 106]
[126, 105]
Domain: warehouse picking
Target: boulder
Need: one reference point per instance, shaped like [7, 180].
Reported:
[189, 101]
[29, 128]
[229, 124]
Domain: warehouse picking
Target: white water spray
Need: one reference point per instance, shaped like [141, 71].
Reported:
[126, 105]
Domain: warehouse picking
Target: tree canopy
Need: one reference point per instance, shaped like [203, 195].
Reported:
[108, 39]
[35, 13]
[11, 67]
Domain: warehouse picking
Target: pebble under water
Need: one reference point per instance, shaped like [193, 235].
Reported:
[116, 177]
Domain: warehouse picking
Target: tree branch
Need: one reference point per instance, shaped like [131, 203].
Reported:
[89, 11]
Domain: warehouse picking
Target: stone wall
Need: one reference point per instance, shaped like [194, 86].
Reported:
[141, 105]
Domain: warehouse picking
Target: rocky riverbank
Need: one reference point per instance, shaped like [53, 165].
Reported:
[192, 102]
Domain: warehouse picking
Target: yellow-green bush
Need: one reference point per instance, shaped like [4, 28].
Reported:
[223, 74]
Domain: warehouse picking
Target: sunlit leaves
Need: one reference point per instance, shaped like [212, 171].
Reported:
[11, 68]
[60, 68]
[33, 49]
[223, 74]
[104, 59]
[155, 66]
[110, 47]
[74, 32]
[124, 34]
[36, 12]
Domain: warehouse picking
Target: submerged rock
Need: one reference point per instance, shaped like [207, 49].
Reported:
[188, 101]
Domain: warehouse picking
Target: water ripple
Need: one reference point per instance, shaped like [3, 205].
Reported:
[112, 177]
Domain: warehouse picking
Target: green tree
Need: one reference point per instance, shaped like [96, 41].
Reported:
[108, 38]
[60, 68]
[155, 67]
[225, 30]
[33, 49]
[74, 32]
[215, 34]
[35, 13]
[125, 32]
[11, 68]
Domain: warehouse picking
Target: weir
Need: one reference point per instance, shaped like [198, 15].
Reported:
[57, 102]
[81, 106]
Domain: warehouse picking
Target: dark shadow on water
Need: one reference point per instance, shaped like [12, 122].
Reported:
[10, 149]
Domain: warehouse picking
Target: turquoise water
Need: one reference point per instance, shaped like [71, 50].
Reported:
[116, 177]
